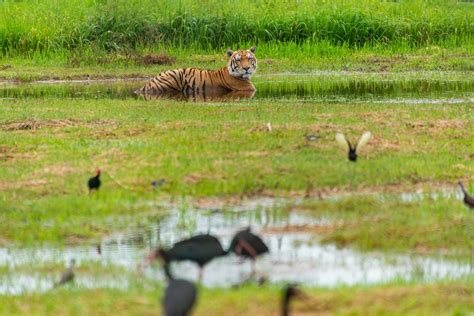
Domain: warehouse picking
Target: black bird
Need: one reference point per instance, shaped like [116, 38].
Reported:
[180, 296]
[94, 182]
[311, 137]
[68, 275]
[200, 249]
[352, 149]
[247, 245]
[468, 199]
[158, 183]
[289, 293]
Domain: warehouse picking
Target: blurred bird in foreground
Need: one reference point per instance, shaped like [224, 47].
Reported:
[180, 296]
[200, 249]
[468, 199]
[352, 150]
[248, 245]
[290, 292]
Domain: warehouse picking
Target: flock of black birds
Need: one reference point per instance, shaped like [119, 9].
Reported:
[180, 295]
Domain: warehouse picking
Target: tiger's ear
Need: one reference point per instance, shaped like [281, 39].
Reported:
[229, 52]
[253, 49]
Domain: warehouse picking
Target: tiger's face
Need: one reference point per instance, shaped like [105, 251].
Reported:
[242, 63]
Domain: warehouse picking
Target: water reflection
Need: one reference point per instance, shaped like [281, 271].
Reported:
[295, 256]
[204, 96]
[294, 88]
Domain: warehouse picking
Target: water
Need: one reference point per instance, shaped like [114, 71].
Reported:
[295, 255]
[318, 87]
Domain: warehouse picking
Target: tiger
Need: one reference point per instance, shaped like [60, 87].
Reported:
[235, 76]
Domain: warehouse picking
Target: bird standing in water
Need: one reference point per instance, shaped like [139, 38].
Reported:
[180, 295]
[248, 245]
[200, 249]
[468, 199]
[352, 150]
[68, 275]
[94, 182]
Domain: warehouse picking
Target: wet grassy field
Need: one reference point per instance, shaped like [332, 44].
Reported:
[219, 153]
[210, 150]
[386, 235]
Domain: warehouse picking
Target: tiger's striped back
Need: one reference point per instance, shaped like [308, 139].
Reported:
[235, 76]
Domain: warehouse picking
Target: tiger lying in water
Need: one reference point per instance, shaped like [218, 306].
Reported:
[235, 76]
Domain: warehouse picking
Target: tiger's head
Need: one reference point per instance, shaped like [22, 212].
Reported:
[242, 63]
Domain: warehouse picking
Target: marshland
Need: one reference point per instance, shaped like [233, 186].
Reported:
[388, 234]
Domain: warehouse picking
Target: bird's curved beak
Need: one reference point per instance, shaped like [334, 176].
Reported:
[148, 260]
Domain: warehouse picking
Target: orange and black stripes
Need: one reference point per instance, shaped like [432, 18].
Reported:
[234, 77]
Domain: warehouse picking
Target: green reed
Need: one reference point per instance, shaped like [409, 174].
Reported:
[123, 25]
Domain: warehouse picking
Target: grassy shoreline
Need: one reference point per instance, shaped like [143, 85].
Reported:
[442, 298]
[272, 59]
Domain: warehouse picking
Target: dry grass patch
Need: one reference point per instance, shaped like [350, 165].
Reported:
[34, 124]
[438, 125]
[31, 183]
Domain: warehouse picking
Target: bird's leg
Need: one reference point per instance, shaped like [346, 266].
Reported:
[254, 267]
[252, 273]
[200, 275]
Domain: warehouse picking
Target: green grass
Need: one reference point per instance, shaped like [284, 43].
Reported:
[444, 298]
[222, 151]
[429, 226]
[272, 58]
[206, 150]
[27, 28]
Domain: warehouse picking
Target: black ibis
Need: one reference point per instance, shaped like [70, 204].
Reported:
[200, 249]
[290, 292]
[248, 245]
[68, 275]
[180, 295]
[94, 182]
[468, 199]
[352, 150]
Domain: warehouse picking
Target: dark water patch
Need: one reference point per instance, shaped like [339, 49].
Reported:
[80, 89]
[295, 256]
[364, 90]
[319, 88]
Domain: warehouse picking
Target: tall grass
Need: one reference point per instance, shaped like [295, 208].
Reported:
[51, 26]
